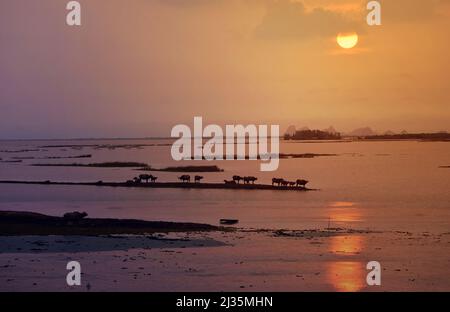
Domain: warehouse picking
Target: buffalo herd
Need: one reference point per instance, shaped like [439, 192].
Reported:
[235, 180]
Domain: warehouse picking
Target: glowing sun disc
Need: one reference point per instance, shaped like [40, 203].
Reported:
[347, 41]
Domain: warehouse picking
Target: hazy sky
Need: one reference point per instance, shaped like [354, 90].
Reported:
[138, 67]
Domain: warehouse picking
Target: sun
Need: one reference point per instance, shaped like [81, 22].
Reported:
[347, 40]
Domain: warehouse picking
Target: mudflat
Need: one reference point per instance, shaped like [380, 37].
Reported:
[30, 223]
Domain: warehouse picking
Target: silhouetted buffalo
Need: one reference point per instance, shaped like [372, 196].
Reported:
[237, 178]
[145, 177]
[276, 181]
[251, 179]
[185, 178]
[75, 216]
[301, 182]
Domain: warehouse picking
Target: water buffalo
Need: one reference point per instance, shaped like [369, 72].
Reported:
[185, 178]
[301, 182]
[276, 181]
[145, 177]
[251, 179]
[237, 178]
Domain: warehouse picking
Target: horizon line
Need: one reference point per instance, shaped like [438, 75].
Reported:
[167, 138]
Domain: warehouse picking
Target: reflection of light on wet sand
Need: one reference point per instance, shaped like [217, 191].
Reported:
[344, 215]
[342, 204]
[346, 244]
[346, 275]
[344, 212]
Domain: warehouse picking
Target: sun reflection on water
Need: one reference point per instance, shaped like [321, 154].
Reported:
[351, 244]
[344, 212]
[346, 276]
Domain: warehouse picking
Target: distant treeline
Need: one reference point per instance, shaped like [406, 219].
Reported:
[441, 136]
[312, 135]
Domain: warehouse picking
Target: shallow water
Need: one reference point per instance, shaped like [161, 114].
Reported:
[376, 185]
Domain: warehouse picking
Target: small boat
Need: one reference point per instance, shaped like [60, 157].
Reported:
[229, 221]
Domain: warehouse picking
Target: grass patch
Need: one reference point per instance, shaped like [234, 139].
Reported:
[185, 169]
[115, 164]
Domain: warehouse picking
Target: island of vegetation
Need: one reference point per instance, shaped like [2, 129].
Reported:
[312, 135]
[185, 169]
[140, 166]
[439, 136]
[187, 182]
[116, 164]
[305, 155]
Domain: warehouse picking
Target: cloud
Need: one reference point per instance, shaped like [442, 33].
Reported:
[292, 21]
[409, 10]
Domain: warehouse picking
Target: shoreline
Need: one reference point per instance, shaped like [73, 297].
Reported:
[236, 259]
[226, 261]
[14, 223]
[181, 185]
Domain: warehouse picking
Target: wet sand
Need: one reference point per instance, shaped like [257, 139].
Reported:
[243, 260]
[31, 223]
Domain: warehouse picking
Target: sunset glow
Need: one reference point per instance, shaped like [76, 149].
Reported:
[191, 147]
[347, 41]
[228, 60]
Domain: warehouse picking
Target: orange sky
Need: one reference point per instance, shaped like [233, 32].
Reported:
[137, 69]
